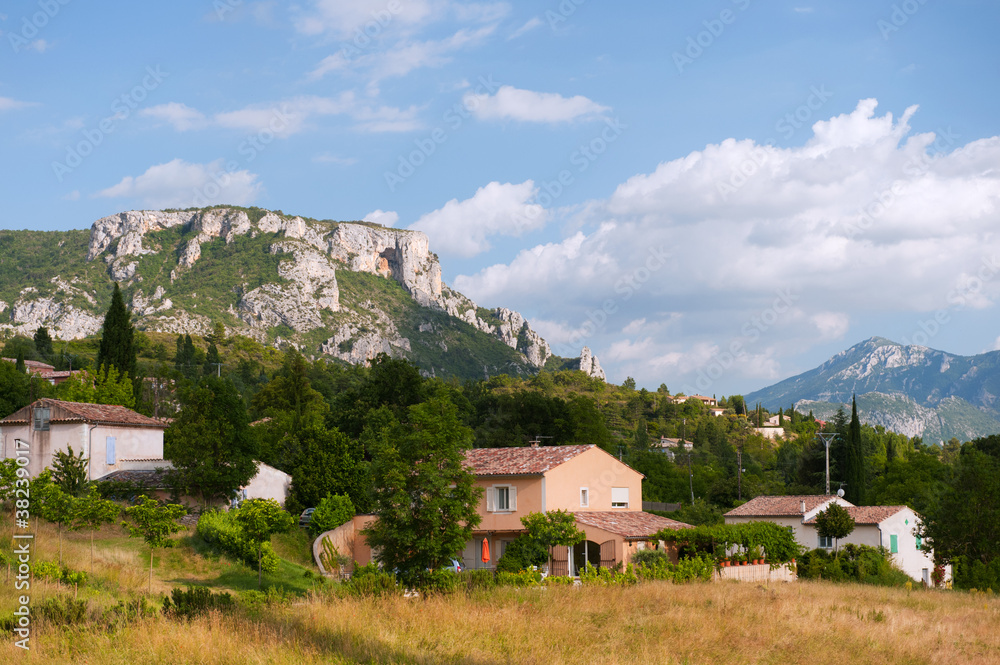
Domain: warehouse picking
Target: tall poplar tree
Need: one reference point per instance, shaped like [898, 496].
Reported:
[117, 340]
[854, 471]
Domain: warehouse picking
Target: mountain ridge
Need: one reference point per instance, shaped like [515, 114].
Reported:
[912, 389]
[277, 278]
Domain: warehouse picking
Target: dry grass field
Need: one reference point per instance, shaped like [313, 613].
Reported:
[805, 622]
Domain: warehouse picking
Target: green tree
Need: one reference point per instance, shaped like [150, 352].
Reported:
[92, 512]
[213, 362]
[184, 358]
[69, 471]
[834, 522]
[425, 498]
[117, 346]
[323, 462]
[854, 468]
[556, 528]
[53, 504]
[154, 524]
[210, 442]
[43, 343]
[107, 386]
[289, 398]
[8, 479]
[260, 519]
[15, 389]
[332, 511]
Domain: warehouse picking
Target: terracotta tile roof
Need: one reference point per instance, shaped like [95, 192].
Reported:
[34, 365]
[868, 514]
[778, 506]
[102, 414]
[630, 524]
[520, 461]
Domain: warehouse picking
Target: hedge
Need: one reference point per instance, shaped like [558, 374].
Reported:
[222, 532]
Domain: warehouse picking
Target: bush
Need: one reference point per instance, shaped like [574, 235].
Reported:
[195, 601]
[49, 570]
[650, 557]
[523, 578]
[559, 580]
[608, 577]
[474, 580]
[370, 582]
[856, 563]
[331, 512]
[521, 554]
[63, 611]
[222, 532]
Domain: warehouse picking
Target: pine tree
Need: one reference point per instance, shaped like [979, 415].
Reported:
[43, 343]
[117, 340]
[854, 471]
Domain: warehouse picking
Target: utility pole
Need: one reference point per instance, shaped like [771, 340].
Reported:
[684, 446]
[827, 438]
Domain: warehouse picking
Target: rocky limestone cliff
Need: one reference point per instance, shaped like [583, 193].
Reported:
[590, 365]
[162, 247]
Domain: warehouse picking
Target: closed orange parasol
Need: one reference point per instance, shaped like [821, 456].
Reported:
[486, 551]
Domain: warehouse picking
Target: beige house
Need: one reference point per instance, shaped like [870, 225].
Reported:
[112, 438]
[604, 494]
[45, 371]
[891, 527]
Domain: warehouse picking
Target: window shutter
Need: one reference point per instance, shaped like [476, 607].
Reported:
[513, 498]
[919, 542]
[111, 449]
[893, 544]
[619, 496]
[491, 500]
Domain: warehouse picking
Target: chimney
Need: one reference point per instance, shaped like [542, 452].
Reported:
[534, 444]
[802, 506]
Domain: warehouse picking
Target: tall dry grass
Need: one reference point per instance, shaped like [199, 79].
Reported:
[807, 622]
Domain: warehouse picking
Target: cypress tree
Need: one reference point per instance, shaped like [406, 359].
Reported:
[117, 340]
[855, 459]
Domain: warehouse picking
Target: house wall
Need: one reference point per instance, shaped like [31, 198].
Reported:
[529, 500]
[911, 560]
[599, 472]
[269, 483]
[130, 443]
[803, 534]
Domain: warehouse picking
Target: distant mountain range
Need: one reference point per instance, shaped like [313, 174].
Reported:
[346, 290]
[913, 390]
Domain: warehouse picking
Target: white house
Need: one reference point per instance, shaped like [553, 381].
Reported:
[891, 527]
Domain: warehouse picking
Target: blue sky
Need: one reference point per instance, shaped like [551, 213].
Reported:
[714, 196]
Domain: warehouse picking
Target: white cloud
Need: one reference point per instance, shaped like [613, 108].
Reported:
[464, 227]
[634, 326]
[8, 104]
[530, 25]
[40, 45]
[344, 19]
[181, 184]
[291, 116]
[404, 56]
[511, 103]
[383, 217]
[778, 248]
[181, 116]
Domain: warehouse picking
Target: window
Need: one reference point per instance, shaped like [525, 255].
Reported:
[826, 542]
[893, 544]
[584, 497]
[619, 497]
[42, 419]
[501, 499]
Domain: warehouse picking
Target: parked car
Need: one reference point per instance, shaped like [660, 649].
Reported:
[306, 517]
[455, 567]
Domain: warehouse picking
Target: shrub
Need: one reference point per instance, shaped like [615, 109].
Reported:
[195, 601]
[49, 570]
[62, 611]
[222, 532]
[522, 578]
[608, 577]
[368, 581]
[856, 563]
[559, 580]
[521, 554]
[474, 580]
[975, 574]
[650, 557]
[331, 512]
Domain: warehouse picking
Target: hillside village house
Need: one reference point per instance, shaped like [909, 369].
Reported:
[891, 527]
[118, 443]
[44, 371]
[604, 494]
